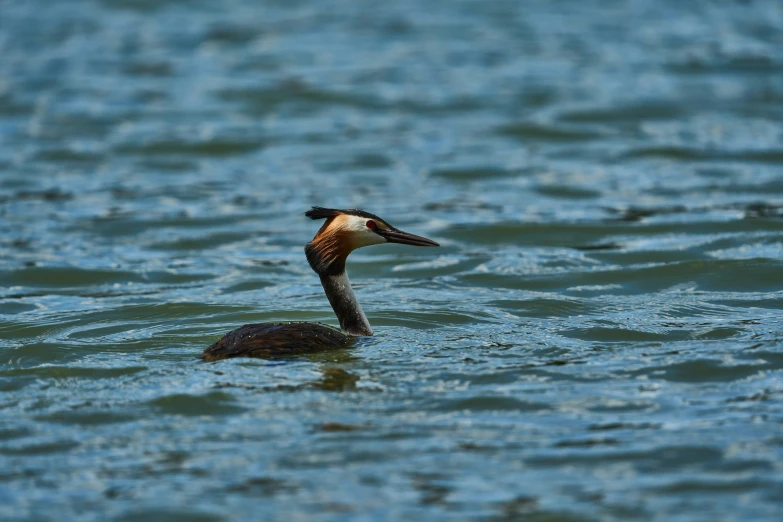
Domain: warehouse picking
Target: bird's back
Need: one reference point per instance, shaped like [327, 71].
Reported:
[276, 340]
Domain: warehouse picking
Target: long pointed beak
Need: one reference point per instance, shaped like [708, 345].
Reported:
[403, 238]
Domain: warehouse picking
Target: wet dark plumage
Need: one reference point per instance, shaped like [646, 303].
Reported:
[276, 340]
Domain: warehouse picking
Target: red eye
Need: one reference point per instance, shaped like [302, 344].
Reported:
[371, 225]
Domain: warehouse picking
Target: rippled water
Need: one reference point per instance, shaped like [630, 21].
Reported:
[598, 338]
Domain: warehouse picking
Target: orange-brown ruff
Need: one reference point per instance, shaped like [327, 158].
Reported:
[343, 232]
[332, 243]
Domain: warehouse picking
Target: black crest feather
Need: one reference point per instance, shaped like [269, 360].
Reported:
[322, 213]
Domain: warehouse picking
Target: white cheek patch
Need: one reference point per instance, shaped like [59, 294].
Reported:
[360, 235]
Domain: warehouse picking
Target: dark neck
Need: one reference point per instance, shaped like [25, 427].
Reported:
[346, 307]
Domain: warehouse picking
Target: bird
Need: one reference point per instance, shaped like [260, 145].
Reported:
[343, 232]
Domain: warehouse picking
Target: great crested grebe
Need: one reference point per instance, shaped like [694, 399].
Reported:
[343, 232]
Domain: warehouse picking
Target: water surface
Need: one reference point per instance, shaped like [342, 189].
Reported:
[598, 337]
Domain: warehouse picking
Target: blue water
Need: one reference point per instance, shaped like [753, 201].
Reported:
[597, 338]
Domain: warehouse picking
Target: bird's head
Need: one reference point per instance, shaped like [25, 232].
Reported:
[346, 230]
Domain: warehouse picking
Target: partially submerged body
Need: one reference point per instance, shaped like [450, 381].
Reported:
[343, 232]
[277, 340]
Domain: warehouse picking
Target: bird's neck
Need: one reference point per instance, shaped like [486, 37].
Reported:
[346, 306]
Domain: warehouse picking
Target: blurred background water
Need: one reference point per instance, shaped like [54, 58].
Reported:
[598, 338]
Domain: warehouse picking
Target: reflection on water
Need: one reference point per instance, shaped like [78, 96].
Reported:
[598, 337]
